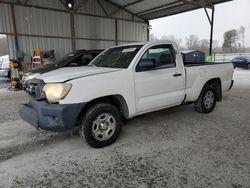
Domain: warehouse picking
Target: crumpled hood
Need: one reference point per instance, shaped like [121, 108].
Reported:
[69, 73]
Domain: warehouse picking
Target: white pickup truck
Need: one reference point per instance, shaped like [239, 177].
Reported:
[123, 82]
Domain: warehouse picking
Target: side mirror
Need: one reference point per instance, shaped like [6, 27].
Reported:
[145, 65]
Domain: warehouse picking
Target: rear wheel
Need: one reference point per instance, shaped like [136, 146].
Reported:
[101, 125]
[207, 100]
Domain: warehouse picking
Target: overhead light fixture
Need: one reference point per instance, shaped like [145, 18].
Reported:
[70, 4]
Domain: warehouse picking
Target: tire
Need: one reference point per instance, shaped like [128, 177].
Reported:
[248, 66]
[101, 125]
[9, 74]
[207, 100]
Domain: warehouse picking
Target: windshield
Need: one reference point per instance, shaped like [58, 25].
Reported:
[118, 57]
[63, 59]
[247, 58]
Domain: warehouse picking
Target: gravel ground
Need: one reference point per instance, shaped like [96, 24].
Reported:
[176, 147]
[4, 83]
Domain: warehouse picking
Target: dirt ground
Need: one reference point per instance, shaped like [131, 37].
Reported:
[176, 147]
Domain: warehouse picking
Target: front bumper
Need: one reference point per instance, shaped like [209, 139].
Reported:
[52, 117]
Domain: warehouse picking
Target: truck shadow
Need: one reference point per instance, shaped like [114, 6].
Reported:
[42, 140]
[37, 143]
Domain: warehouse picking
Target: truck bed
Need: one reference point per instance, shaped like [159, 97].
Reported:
[192, 64]
[197, 75]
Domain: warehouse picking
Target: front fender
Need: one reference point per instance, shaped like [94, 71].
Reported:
[87, 89]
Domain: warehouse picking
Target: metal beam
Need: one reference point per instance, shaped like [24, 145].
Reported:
[148, 30]
[208, 17]
[72, 29]
[211, 32]
[103, 9]
[211, 21]
[62, 37]
[125, 6]
[121, 8]
[82, 4]
[67, 11]
[133, 3]
[63, 3]
[199, 4]
[14, 27]
[151, 10]
[116, 32]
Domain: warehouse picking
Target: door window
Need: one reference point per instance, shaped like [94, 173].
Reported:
[75, 62]
[86, 59]
[162, 55]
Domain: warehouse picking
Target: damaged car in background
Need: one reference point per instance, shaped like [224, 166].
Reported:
[73, 59]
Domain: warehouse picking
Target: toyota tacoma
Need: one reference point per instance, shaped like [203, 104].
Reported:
[121, 83]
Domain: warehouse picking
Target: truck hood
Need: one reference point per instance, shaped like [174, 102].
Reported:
[70, 73]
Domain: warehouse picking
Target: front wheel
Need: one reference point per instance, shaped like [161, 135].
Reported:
[207, 100]
[101, 125]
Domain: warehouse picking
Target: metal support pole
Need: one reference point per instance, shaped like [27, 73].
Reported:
[72, 26]
[148, 30]
[14, 28]
[116, 32]
[211, 33]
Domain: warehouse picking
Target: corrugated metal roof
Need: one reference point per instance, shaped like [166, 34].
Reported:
[148, 9]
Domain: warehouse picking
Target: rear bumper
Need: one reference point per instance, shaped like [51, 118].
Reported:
[52, 117]
[231, 85]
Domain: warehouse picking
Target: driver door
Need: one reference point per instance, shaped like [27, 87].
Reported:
[162, 86]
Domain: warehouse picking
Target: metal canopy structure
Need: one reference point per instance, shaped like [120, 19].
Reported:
[148, 9]
[152, 9]
[53, 24]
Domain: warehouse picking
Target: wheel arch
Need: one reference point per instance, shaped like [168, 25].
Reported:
[117, 100]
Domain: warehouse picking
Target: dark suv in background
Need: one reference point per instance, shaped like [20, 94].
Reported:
[73, 59]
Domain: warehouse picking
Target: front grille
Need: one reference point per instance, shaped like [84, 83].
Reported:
[35, 89]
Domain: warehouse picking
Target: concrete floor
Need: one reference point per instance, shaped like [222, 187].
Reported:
[176, 147]
[4, 82]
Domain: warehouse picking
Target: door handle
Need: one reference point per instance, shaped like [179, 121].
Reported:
[177, 74]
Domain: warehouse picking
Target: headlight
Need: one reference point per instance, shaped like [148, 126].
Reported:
[31, 76]
[56, 92]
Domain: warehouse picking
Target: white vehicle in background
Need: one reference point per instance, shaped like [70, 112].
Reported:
[4, 66]
[123, 82]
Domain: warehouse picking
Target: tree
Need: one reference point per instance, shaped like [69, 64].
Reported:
[229, 44]
[172, 38]
[241, 36]
[192, 42]
[204, 45]
[152, 37]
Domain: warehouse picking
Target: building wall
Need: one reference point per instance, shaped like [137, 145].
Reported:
[46, 24]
